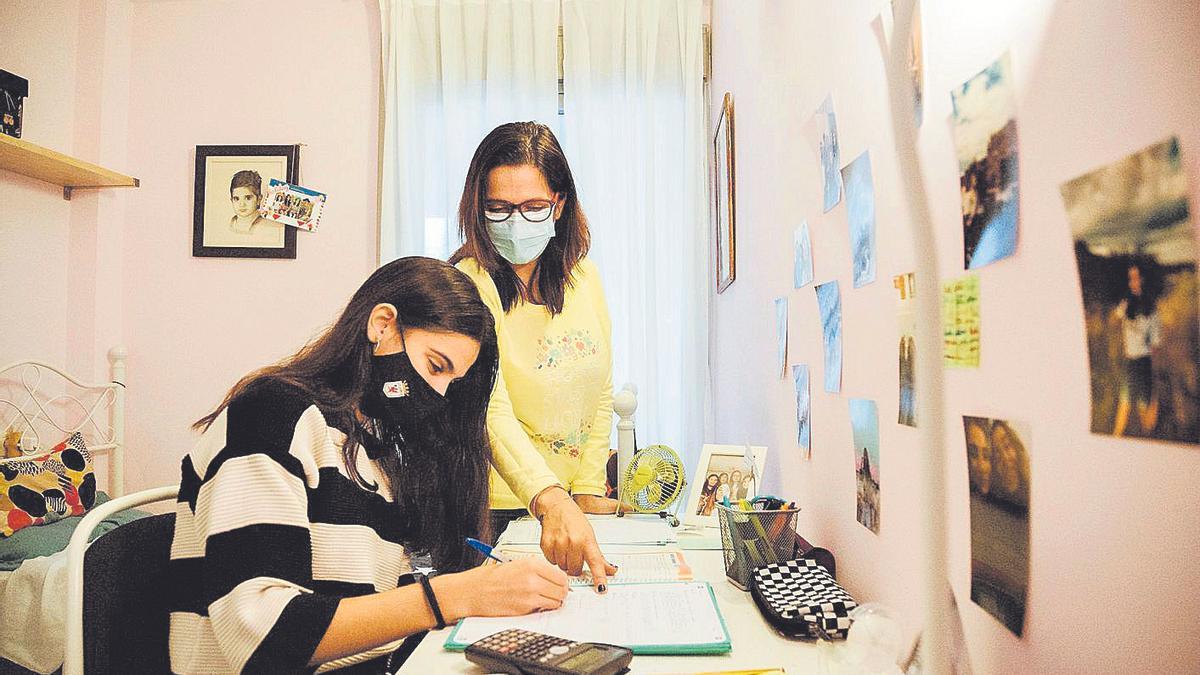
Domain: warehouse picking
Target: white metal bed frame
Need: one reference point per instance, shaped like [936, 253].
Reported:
[31, 404]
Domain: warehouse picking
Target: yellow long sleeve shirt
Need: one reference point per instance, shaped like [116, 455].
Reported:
[550, 415]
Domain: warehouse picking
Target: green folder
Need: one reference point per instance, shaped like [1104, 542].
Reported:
[693, 624]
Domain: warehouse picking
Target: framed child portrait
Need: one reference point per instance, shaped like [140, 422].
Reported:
[721, 473]
[231, 181]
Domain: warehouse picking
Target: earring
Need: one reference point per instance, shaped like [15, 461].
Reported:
[375, 344]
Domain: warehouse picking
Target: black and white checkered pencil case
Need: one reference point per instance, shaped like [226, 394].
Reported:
[801, 599]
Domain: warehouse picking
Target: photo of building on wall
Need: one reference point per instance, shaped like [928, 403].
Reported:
[1136, 256]
[864, 418]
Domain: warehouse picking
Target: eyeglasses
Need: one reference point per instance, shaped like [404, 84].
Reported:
[534, 210]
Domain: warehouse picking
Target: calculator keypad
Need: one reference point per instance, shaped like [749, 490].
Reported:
[523, 644]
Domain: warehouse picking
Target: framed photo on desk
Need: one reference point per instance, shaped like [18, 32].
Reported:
[722, 473]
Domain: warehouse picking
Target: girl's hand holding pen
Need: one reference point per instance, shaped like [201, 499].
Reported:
[511, 589]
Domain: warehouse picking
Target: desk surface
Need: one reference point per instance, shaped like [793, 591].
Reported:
[755, 644]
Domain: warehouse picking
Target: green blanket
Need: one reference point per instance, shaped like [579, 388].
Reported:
[42, 540]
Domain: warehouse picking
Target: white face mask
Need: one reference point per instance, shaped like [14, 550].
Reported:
[520, 241]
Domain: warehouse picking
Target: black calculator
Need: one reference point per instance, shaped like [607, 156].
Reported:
[523, 652]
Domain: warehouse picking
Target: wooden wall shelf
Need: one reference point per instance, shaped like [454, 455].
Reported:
[29, 159]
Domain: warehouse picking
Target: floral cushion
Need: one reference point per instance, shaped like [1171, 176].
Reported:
[45, 488]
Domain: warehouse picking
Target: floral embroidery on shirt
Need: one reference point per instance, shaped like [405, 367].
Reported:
[574, 345]
[570, 444]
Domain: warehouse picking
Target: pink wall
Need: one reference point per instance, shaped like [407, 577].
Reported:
[1115, 583]
[34, 220]
[239, 73]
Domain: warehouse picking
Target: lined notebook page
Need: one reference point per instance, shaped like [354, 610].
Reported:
[670, 614]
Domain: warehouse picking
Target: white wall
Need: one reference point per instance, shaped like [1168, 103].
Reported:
[1115, 582]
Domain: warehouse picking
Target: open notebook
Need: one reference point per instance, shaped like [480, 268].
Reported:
[650, 618]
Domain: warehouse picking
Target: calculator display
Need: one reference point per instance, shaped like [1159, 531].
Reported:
[584, 660]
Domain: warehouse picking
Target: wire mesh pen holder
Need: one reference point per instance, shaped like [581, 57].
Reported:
[750, 539]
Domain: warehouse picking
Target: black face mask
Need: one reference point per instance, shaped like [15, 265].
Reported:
[398, 396]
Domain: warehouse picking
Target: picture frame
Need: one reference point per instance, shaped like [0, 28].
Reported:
[724, 203]
[717, 460]
[226, 222]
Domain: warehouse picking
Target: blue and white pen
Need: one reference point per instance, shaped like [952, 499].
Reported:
[486, 550]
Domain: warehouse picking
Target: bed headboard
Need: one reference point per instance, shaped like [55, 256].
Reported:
[45, 405]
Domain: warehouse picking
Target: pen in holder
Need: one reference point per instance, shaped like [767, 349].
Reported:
[751, 538]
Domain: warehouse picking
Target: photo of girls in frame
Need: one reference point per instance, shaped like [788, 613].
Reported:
[230, 182]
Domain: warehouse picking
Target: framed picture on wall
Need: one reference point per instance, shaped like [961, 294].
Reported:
[722, 472]
[230, 183]
[723, 196]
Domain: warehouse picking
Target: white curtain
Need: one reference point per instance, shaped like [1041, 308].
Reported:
[634, 132]
[452, 71]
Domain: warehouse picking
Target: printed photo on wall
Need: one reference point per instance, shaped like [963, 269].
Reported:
[830, 302]
[960, 322]
[781, 335]
[230, 183]
[293, 205]
[916, 65]
[998, 473]
[802, 265]
[985, 139]
[724, 196]
[860, 212]
[884, 25]
[822, 133]
[1136, 256]
[803, 410]
[906, 319]
[864, 418]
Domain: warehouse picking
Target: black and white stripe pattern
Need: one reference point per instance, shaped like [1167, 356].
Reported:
[270, 534]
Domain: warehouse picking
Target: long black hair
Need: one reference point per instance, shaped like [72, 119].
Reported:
[520, 144]
[439, 481]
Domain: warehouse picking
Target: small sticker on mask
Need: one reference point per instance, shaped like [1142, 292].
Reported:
[397, 389]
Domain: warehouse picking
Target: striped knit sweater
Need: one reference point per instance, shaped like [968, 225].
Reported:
[270, 534]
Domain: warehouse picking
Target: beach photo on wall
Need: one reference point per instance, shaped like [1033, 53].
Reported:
[781, 336]
[985, 140]
[998, 475]
[906, 320]
[860, 212]
[864, 420]
[822, 133]
[829, 301]
[802, 264]
[1136, 256]
[803, 410]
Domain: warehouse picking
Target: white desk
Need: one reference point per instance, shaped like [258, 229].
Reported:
[755, 644]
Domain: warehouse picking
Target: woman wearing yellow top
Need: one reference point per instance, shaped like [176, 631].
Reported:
[550, 415]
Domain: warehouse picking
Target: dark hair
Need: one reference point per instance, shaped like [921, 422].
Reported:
[519, 144]
[1141, 304]
[247, 179]
[440, 483]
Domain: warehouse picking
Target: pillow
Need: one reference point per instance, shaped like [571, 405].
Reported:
[45, 488]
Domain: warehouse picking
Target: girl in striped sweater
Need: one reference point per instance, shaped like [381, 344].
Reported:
[317, 479]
